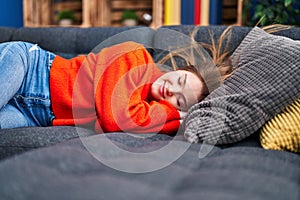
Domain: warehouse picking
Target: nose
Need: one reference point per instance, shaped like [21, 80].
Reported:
[169, 93]
[172, 91]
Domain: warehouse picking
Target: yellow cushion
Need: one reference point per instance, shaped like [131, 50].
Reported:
[283, 131]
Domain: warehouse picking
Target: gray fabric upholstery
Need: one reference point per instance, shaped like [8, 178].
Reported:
[67, 42]
[16, 141]
[69, 171]
[267, 80]
[6, 34]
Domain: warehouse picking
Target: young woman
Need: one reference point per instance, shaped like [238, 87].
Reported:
[118, 89]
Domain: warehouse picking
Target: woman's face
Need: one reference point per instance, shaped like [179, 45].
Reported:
[180, 88]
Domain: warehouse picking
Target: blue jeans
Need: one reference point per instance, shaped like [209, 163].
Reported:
[24, 85]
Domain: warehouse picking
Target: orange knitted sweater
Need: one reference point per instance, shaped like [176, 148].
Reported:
[110, 92]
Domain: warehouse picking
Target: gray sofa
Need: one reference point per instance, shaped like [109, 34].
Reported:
[57, 163]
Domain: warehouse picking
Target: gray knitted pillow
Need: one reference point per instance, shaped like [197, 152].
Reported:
[267, 80]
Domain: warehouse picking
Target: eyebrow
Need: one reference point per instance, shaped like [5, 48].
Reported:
[184, 81]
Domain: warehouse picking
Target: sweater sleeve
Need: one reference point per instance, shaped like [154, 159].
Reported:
[122, 92]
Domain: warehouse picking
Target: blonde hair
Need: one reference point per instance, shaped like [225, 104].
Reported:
[219, 55]
[275, 28]
[207, 61]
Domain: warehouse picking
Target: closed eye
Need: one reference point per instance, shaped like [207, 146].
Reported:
[181, 99]
[178, 103]
[181, 102]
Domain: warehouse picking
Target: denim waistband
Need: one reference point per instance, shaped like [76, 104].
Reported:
[51, 57]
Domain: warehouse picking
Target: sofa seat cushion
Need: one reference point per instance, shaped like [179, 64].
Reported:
[18, 140]
[69, 171]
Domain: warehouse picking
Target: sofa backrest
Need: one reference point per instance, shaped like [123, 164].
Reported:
[6, 34]
[66, 41]
[71, 41]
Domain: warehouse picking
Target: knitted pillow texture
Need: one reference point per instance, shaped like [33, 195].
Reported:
[267, 79]
[283, 131]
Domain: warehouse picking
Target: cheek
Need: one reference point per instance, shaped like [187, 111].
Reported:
[156, 87]
[173, 101]
[155, 91]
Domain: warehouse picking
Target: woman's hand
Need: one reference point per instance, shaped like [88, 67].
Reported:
[182, 116]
